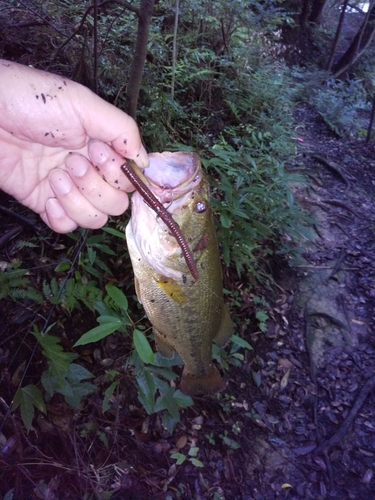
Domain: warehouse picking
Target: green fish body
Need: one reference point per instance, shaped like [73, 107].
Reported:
[186, 315]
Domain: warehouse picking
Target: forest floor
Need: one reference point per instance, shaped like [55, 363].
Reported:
[297, 418]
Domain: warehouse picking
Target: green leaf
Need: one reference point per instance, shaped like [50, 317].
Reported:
[164, 372]
[58, 360]
[107, 394]
[170, 404]
[28, 398]
[146, 388]
[262, 317]
[196, 462]
[114, 232]
[62, 266]
[182, 400]
[147, 403]
[78, 388]
[230, 442]
[241, 342]
[91, 255]
[262, 228]
[225, 220]
[193, 452]
[73, 387]
[108, 319]
[143, 347]
[179, 457]
[169, 422]
[117, 296]
[99, 332]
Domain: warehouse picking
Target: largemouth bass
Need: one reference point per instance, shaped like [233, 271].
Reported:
[187, 315]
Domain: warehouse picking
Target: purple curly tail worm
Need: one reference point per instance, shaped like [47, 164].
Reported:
[129, 169]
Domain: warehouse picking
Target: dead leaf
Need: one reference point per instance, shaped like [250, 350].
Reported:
[357, 322]
[181, 442]
[284, 381]
[285, 363]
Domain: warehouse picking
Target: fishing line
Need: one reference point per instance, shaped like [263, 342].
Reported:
[46, 325]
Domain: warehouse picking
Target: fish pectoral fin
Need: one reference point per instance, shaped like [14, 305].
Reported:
[225, 330]
[163, 346]
[207, 382]
[172, 289]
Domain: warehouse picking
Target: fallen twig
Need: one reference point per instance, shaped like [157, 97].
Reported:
[25, 221]
[340, 434]
[8, 235]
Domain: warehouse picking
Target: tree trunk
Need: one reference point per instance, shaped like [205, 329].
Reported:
[359, 43]
[140, 52]
[337, 36]
[316, 11]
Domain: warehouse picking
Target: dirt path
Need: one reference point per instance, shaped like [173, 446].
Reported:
[319, 370]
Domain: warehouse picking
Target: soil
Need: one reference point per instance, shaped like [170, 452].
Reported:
[297, 418]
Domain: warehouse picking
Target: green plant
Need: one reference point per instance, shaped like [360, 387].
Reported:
[62, 376]
[338, 102]
[152, 373]
[232, 357]
[229, 441]
[155, 391]
[210, 438]
[191, 457]
[15, 284]
[27, 399]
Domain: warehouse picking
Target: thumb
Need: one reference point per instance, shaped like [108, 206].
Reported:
[109, 124]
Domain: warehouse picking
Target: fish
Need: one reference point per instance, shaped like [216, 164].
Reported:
[187, 314]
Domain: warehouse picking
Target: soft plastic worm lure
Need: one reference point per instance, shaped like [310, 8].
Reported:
[129, 168]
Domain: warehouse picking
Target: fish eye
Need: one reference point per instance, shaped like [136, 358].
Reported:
[200, 207]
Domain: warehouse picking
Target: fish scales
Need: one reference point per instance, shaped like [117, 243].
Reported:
[187, 315]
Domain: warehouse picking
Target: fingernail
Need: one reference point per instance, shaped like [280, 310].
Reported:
[143, 157]
[77, 165]
[54, 209]
[60, 181]
[98, 152]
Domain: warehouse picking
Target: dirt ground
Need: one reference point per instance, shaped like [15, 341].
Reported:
[297, 419]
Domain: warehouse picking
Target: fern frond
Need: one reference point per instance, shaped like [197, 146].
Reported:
[26, 294]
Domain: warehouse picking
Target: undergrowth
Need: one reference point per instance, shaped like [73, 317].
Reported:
[234, 107]
[340, 103]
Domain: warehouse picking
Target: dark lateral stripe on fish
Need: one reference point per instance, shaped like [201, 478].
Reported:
[129, 170]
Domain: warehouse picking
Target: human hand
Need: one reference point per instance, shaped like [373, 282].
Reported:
[61, 148]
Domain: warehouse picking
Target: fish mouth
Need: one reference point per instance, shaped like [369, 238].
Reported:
[173, 174]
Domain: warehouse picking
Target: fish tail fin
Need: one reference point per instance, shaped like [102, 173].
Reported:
[208, 382]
